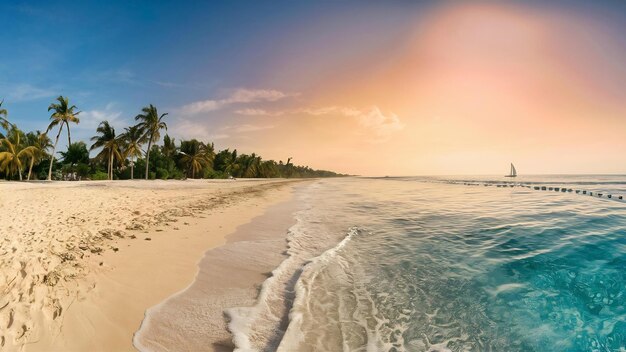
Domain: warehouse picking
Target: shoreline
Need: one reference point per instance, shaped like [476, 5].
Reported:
[128, 246]
[230, 275]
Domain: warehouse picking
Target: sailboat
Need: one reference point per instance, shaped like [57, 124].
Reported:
[513, 172]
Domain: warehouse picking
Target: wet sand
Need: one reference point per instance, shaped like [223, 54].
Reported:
[230, 276]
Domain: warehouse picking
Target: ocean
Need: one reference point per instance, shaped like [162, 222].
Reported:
[447, 264]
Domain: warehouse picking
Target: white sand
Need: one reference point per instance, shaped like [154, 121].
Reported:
[76, 270]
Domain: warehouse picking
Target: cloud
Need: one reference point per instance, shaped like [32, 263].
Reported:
[168, 84]
[382, 125]
[90, 119]
[371, 118]
[247, 128]
[251, 95]
[120, 75]
[238, 96]
[26, 92]
[201, 106]
[257, 112]
[187, 129]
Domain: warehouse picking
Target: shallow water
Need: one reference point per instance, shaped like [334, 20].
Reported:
[420, 264]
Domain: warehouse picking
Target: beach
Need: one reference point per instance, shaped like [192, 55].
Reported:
[365, 264]
[81, 262]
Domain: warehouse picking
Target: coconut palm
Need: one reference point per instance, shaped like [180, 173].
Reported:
[11, 158]
[169, 146]
[133, 138]
[250, 165]
[42, 143]
[4, 123]
[63, 114]
[109, 143]
[230, 165]
[76, 153]
[152, 124]
[195, 155]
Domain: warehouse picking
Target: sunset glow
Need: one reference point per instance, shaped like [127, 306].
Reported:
[445, 88]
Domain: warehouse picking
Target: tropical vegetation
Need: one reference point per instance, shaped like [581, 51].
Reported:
[63, 114]
[119, 156]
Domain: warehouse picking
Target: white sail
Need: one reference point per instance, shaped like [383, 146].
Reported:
[513, 171]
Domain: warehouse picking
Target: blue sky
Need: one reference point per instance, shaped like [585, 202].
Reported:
[111, 58]
[340, 85]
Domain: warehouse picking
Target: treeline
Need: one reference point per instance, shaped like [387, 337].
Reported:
[133, 153]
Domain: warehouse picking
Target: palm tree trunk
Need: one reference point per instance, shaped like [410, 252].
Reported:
[30, 168]
[132, 167]
[19, 171]
[112, 164]
[148, 156]
[110, 170]
[54, 151]
[69, 137]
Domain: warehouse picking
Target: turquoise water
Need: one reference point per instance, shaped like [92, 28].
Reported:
[419, 264]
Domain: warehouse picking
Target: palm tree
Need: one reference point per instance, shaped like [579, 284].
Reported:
[63, 114]
[169, 146]
[76, 153]
[231, 167]
[109, 143]
[11, 158]
[151, 123]
[4, 123]
[133, 138]
[250, 165]
[42, 143]
[196, 155]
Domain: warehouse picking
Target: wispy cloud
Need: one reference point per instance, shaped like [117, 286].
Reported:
[168, 84]
[188, 129]
[238, 96]
[90, 119]
[371, 118]
[27, 92]
[116, 75]
[247, 128]
[257, 112]
[382, 125]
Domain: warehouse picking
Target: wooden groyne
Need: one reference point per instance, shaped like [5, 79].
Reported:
[616, 197]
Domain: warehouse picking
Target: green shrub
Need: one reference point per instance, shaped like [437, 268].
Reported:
[176, 174]
[209, 173]
[152, 175]
[99, 175]
[161, 174]
[82, 169]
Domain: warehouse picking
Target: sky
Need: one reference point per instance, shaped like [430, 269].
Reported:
[359, 87]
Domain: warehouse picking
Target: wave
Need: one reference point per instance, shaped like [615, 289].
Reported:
[249, 325]
[293, 335]
[261, 327]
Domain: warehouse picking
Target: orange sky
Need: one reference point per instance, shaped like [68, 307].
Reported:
[465, 89]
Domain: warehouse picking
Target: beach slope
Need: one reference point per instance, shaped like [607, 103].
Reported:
[80, 262]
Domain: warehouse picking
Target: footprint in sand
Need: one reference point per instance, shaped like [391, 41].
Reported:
[11, 315]
[22, 332]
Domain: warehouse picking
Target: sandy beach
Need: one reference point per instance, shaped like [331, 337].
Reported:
[81, 262]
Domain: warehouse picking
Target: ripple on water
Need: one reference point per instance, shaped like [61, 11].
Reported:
[446, 267]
